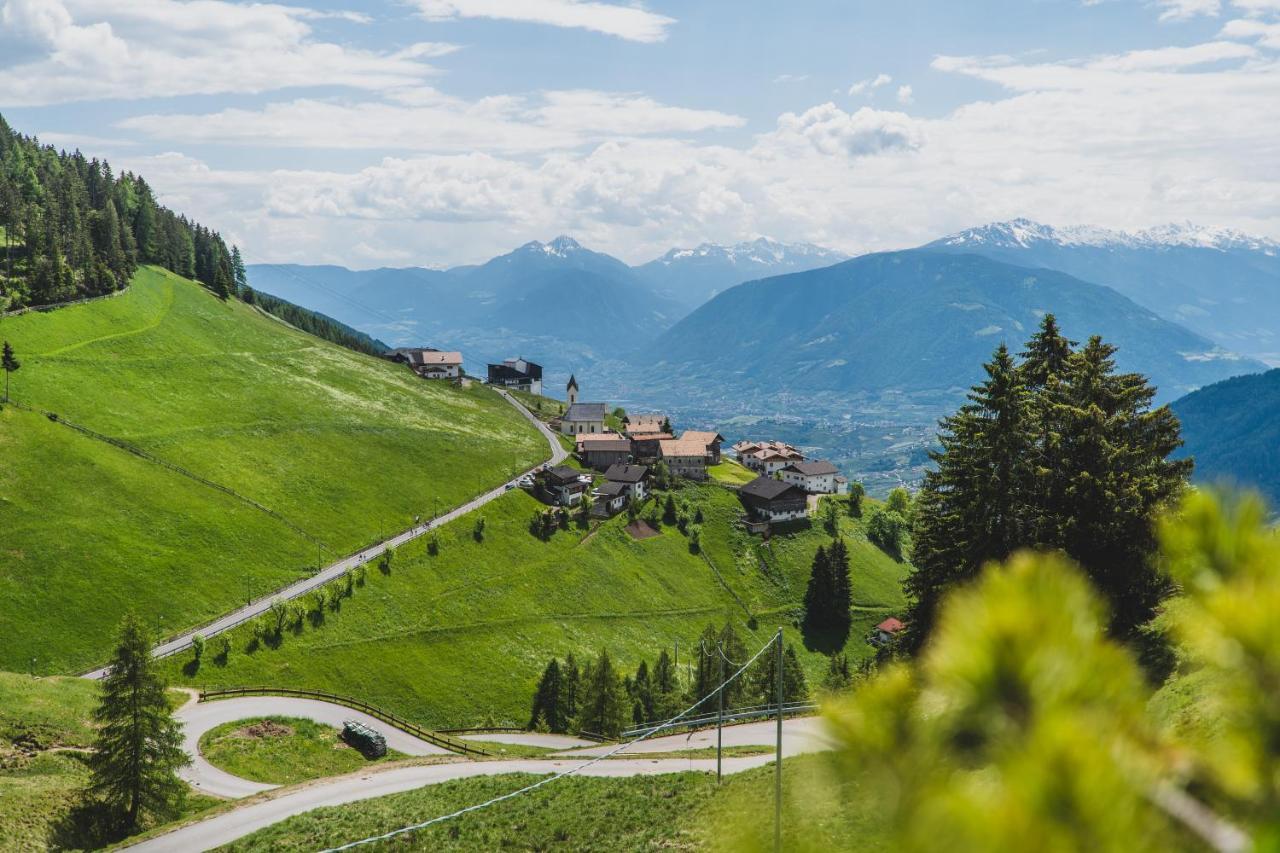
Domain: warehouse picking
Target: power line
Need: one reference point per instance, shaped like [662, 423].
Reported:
[775, 640]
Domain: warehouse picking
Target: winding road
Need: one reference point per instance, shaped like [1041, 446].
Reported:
[803, 734]
[341, 567]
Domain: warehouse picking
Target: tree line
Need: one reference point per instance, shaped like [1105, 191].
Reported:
[72, 228]
[597, 697]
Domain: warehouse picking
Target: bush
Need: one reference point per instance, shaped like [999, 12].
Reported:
[197, 646]
[477, 532]
[695, 539]
[384, 563]
[856, 493]
[433, 545]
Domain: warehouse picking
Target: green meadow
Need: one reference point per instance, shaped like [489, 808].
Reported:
[342, 448]
[460, 637]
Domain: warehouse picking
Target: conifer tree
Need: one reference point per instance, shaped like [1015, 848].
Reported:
[238, 271]
[794, 686]
[10, 364]
[139, 747]
[571, 687]
[605, 706]
[547, 700]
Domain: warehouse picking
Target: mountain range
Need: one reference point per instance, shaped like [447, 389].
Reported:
[917, 320]
[1217, 282]
[555, 301]
[1231, 430]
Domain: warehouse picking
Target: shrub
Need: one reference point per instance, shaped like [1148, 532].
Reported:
[197, 646]
[384, 562]
[433, 545]
[695, 539]
[477, 532]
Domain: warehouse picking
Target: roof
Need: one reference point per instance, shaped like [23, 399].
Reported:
[586, 412]
[615, 443]
[650, 436]
[707, 438]
[612, 490]
[768, 489]
[815, 468]
[563, 473]
[626, 473]
[646, 422]
[890, 626]
[681, 448]
[573, 383]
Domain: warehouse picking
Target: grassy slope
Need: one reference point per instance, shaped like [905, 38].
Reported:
[341, 444]
[450, 639]
[679, 811]
[310, 751]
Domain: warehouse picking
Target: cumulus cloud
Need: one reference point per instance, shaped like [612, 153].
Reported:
[425, 119]
[905, 95]
[78, 50]
[832, 131]
[633, 22]
[1184, 10]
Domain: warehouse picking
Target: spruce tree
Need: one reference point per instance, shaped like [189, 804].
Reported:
[971, 507]
[547, 706]
[10, 363]
[139, 747]
[571, 687]
[605, 706]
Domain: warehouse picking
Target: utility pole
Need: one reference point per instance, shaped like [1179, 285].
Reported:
[720, 717]
[777, 774]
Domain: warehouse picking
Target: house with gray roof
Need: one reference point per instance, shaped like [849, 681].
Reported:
[817, 476]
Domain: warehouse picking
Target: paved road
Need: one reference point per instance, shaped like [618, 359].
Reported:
[199, 717]
[548, 741]
[799, 735]
[341, 567]
[237, 823]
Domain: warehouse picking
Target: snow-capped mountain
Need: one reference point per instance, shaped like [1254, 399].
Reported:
[1218, 282]
[695, 275]
[1025, 233]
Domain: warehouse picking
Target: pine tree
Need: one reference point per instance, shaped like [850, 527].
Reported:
[10, 364]
[795, 688]
[819, 591]
[547, 700]
[139, 746]
[605, 706]
[238, 271]
[665, 687]
[971, 507]
[571, 687]
[856, 494]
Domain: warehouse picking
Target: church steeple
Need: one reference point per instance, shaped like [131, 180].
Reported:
[571, 390]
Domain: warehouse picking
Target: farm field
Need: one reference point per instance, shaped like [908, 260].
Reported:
[340, 447]
[459, 638]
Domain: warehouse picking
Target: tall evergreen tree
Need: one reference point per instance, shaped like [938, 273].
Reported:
[827, 598]
[605, 707]
[139, 746]
[238, 271]
[571, 687]
[971, 507]
[10, 364]
[795, 688]
[548, 709]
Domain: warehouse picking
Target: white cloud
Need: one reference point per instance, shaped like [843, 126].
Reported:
[1169, 58]
[424, 119]
[905, 95]
[1185, 10]
[1257, 7]
[791, 78]
[870, 84]
[627, 22]
[831, 131]
[79, 50]
[1266, 34]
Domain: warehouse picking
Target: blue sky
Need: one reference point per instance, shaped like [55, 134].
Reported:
[445, 131]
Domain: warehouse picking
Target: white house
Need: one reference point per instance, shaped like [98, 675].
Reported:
[633, 479]
[816, 478]
[430, 363]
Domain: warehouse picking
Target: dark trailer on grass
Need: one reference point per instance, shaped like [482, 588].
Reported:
[365, 739]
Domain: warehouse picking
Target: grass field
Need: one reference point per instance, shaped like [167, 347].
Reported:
[460, 638]
[283, 751]
[45, 728]
[342, 445]
[731, 473]
[684, 811]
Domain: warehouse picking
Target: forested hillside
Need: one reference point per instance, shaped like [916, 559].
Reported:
[73, 229]
[1232, 432]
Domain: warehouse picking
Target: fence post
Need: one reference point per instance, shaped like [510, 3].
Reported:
[777, 776]
[720, 718]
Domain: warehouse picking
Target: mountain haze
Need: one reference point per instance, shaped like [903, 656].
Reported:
[1219, 283]
[917, 321]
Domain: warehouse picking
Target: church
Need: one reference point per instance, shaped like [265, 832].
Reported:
[581, 418]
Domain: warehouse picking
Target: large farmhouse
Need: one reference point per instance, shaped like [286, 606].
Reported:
[767, 499]
[518, 374]
[604, 451]
[766, 457]
[429, 363]
[685, 458]
[817, 477]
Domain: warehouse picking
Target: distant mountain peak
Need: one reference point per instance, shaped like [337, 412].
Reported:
[561, 247]
[1025, 233]
[762, 251]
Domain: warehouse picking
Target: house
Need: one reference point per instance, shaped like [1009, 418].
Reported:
[565, 485]
[634, 478]
[710, 440]
[645, 446]
[686, 459]
[429, 363]
[581, 418]
[767, 499]
[610, 499]
[605, 451]
[767, 457]
[651, 422]
[842, 484]
[817, 477]
[884, 633]
[517, 374]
